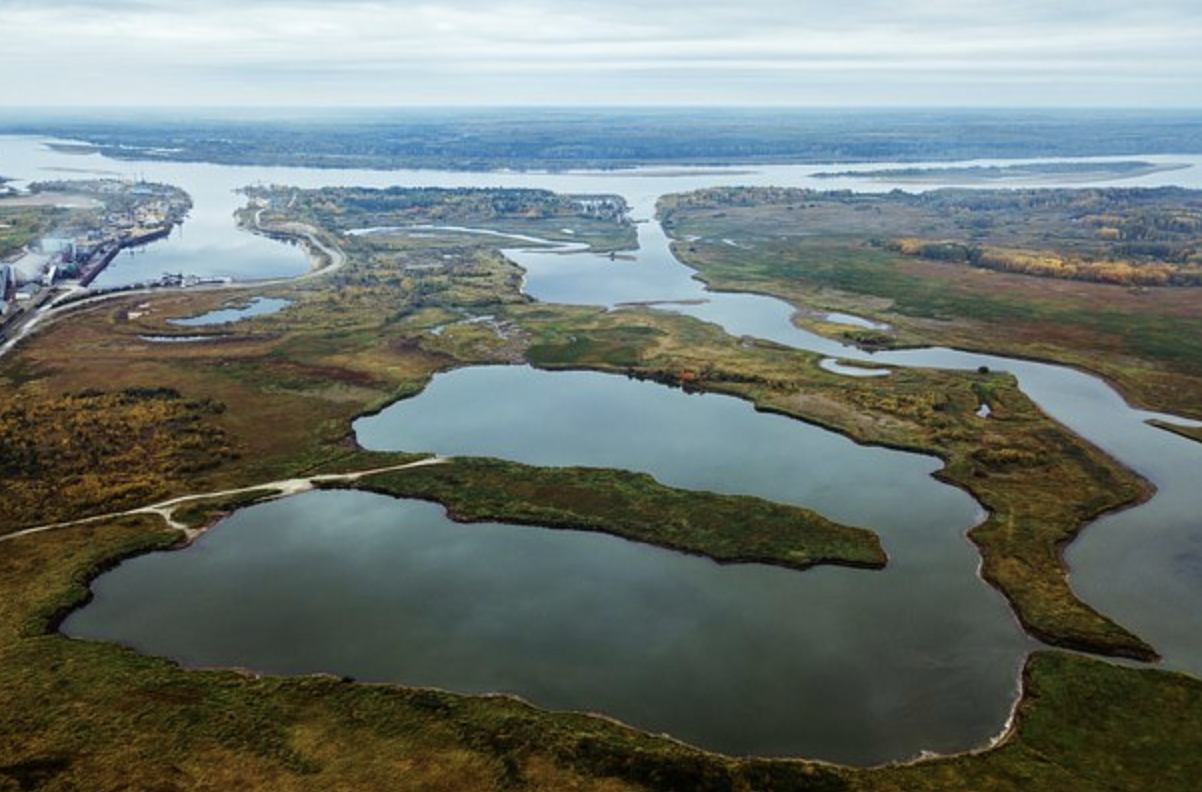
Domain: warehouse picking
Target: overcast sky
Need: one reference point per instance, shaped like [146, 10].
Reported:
[1095, 53]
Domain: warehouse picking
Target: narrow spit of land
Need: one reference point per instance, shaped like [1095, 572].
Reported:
[726, 528]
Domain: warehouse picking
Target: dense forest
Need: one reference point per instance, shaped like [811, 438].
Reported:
[94, 452]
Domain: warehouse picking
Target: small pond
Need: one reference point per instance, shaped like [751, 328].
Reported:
[259, 306]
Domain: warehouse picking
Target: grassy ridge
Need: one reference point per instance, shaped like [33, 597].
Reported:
[726, 528]
[83, 715]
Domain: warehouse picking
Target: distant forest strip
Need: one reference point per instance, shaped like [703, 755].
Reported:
[561, 138]
[1087, 170]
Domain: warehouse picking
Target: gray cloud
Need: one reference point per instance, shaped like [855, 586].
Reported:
[614, 52]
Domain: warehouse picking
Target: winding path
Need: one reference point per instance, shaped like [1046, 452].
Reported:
[283, 489]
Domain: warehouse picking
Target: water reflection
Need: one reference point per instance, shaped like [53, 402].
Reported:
[745, 659]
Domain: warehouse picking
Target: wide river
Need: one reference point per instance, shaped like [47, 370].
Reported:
[851, 666]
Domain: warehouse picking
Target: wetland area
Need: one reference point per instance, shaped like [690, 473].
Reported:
[835, 663]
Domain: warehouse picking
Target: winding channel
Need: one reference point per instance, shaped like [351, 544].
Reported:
[1143, 566]
[837, 664]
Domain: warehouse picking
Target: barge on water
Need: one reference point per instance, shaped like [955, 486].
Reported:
[106, 252]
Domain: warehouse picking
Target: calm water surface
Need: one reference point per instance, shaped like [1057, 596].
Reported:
[850, 665]
[742, 657]
[259, 306]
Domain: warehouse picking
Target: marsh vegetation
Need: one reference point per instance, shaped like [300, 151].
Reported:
[919, 263]
[406, 306]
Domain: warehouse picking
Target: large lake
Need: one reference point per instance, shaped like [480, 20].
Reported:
[845, 665]
[850, 665]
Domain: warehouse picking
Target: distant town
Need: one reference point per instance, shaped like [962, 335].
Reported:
[107, 216]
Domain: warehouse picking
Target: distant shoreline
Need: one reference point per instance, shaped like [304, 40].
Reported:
[1034, 173]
